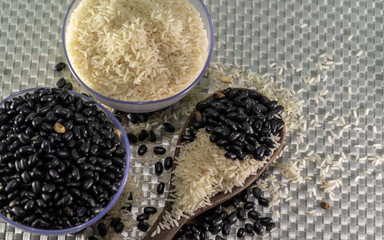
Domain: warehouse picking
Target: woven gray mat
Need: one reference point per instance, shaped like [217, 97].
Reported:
[264, 36]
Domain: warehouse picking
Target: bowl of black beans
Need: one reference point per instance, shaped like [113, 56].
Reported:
[64, 161]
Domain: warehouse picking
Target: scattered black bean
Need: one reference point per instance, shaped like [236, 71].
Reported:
[232, 218]
[152, 136]
[168, 162]
[265, 221]
[68, 86]
[270, 226]
[142, 135]
[158, 168]
[249, 205]
[226, 228]
[102, 229]
[61, 83]
[92, 238]
[160, 188]
[142, 217]
[257, 192]
[150, 210]
[263, 202]
[241, 213]
[258, 228]
[244, 195]
[241, 232]
[168, 127]
[159, 150]
[59, 67]
[253, 214]
[142, 150]
[133, 118]
[143, 226]
[249, 229]
[114, 222]
[119, 227]
[132, 138]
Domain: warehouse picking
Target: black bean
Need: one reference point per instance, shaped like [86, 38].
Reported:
[230, 155]
[257, 192]
[235, 202]
[244, 195]
[249, 229]
[241, 213]
[150, 210]
[61, 82]
[158, 168]
[102, 229]
[68, 86]
[142, 217]
[187, 138]
[196, 236]
[159, 150]
[29, 205]
[143, 226]
[226, 228]
[36, 187]
[267, 152]
[168, 127]
[235, 150]
[152, 136]
[131, 138]
[59, 67]
[142, 135]
[265, 221]
[18, 211]
[216, 221]
[26, 176]
[249, 205]
[48, 188]
[168, 162]
[232, 218]
[160, 188]
[278, 110]
[214, 229]
[114, 222]
[11, 186]
[253, 214]
[142, 150]
[263, 202]
[270, 226]
[119, 227]
[258, 228]
[241, 232]
[203, 236]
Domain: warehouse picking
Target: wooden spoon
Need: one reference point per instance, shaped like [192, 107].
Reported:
[168, 234]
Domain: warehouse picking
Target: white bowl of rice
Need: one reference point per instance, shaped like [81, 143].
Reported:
[138, 55]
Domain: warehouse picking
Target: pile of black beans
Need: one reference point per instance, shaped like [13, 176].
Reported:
[221, 218]
[61, 159]
[241, 121]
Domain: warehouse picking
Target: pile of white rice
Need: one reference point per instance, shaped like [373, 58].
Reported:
[137, 50]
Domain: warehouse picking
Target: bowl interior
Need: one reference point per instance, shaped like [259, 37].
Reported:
[146, 106]
[124, 143]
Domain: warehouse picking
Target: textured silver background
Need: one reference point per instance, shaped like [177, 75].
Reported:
[256, 34]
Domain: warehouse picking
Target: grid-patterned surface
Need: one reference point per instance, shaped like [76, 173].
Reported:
[256, 35]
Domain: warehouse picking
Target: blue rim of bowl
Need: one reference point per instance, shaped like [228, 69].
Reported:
[110, 204]
[146, 102]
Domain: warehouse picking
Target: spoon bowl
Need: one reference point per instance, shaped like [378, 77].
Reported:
[168, 234]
